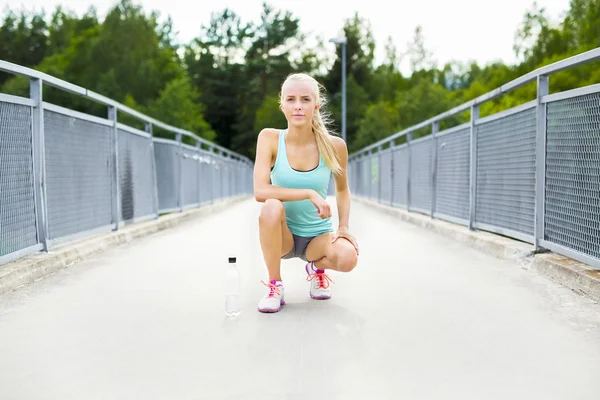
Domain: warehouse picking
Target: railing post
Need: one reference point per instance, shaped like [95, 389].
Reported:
[224, 176]
[366, 175]
[435, 128]
[367, 167]
[543, 88]
[367, 156]
[361, 179]
[179, 172]
[352, 174]
[357, 176]
[473, 166]
[148, 129]
[369, 173]
[379, 150]
[408, 169]
[357, 179]
[213, 174]
[199, 171]
[392, 178]
[39, 161]
[115, 195]
[372, 153]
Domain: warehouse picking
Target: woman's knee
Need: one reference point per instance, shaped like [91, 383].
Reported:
[346, 259]
[272, 212]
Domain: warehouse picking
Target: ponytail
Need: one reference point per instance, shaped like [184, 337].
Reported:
[324, 144]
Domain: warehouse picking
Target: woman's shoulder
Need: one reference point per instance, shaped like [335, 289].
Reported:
[269, 134]
[338, 143]
[268, 139]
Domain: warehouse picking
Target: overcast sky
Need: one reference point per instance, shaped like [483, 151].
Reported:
[480, 30]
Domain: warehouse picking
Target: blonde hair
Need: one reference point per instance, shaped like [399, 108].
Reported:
[320, 121]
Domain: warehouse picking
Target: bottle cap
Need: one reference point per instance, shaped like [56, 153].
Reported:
[232, 260]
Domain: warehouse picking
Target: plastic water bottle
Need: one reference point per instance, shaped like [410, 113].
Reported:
[232, 289]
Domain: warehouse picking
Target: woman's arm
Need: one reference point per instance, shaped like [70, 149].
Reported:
[343, 195]
[342, 191]
[266, 147]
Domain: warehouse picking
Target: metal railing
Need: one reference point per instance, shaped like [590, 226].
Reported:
[66, 174]
[531, 173]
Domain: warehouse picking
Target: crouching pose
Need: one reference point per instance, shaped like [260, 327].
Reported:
[293, 168]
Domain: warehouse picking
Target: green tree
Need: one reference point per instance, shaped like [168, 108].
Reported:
[178, 105]
[423, 101]
[128, 50]
[214, 63]
[360, 49]
[581, 27]
[267, 63]
[381, 120]
[387, 80]
[360, 55]
[420, 57]
[357, 103]
[225, 84]
[269, 115]
[65, 27]
[23, 39]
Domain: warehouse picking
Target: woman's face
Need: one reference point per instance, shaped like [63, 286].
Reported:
[298, 103]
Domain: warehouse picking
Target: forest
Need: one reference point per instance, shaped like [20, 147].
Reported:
[224, 84]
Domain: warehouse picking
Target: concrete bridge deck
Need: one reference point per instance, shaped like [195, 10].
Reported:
[421, 317]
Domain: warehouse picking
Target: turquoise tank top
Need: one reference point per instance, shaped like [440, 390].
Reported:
[301, 215]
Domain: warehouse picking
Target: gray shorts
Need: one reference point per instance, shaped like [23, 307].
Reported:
[299, 248]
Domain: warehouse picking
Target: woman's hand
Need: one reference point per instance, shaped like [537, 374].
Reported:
[323, 208]
[344, 233]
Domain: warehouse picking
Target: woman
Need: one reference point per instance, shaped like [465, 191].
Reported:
[292, 171]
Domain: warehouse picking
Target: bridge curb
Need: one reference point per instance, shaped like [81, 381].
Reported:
[570, 273]
[32, 268]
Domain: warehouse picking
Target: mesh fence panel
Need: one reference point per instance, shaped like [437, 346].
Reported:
[352, 176]
[400, 175]
[385, 176]
[453, 174]
[572, 217]
[219, 178]
[506, 172]
[136, 176]
[353, 171]
[17, 202]
[191, 176]
[79, 182]
[167, 174]
[206, 179]
[233, 181]
[420, 174]
[232, 176]
[225, 176]
[360, 177]
[78, 173]
[367, 176]
[374, 181]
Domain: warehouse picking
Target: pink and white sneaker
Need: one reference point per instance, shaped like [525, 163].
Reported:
[273, 300]
[319, 282]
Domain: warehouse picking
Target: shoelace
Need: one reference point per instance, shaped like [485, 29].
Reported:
[322, 278]
[274, 290]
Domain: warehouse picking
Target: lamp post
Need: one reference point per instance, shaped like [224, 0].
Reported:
[342, 41]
